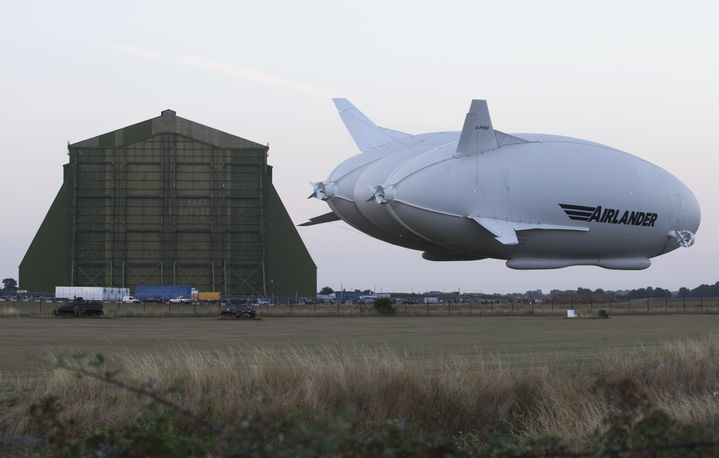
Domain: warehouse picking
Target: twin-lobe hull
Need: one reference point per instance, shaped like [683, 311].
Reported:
[537, 201]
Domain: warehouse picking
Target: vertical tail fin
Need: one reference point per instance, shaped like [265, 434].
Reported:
[366, 134]
[477, 134]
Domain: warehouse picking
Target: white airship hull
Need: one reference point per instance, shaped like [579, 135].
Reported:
[537, 201]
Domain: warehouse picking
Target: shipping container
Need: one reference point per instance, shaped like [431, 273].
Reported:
[207, 296]
[162, 293]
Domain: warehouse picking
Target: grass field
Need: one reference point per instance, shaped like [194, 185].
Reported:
[463, 377]
[517, 340]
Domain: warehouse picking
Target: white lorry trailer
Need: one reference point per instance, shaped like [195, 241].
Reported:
[91, 293]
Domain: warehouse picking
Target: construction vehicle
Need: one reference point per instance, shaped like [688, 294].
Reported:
[79, 307]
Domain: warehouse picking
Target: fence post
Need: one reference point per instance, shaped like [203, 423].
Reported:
[449, 308]
[194, 309]
[665, 305]
[629, 303]
[591, 308]
[338, 309]
[470, 306]
[684, 303]
[648, 299]
[552, 305]
[610, 306]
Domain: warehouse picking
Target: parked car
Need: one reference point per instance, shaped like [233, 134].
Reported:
[239, 311]
[180, 300]
[79, 307]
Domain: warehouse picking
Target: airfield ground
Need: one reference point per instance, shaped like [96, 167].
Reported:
[463, 377]
[515, 340]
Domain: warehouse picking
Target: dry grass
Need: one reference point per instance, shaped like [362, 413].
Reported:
[9, 311]
[469, 394]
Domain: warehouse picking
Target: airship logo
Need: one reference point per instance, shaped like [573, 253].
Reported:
[609, 215]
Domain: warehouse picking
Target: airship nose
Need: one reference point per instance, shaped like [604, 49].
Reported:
[691, 216]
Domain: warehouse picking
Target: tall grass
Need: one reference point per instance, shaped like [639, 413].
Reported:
[458, 395]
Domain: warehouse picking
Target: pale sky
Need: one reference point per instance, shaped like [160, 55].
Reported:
[642, 77]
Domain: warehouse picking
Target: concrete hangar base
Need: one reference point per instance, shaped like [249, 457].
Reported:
[169, 201]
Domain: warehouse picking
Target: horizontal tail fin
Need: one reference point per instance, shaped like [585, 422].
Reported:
[326, 218]
[366, 134]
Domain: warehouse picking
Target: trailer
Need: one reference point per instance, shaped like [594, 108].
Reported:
[114, 294]
[162, 293]
[91, 293]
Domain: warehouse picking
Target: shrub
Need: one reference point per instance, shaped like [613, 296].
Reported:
[383, 306]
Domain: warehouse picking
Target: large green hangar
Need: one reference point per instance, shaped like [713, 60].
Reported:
[169, 201]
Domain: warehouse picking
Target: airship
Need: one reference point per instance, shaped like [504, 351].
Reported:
[537, 201]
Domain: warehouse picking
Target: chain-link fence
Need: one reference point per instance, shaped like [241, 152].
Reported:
[41, 305]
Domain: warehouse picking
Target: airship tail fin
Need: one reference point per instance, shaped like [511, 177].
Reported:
[326, 218]
[366, 134]
[506, 231]
[477, 134]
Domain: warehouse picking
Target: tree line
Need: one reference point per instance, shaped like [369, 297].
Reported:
[600, 295]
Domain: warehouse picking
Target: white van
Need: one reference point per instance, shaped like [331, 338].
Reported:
[130, 300]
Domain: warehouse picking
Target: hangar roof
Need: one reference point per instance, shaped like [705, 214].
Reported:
[168, 122]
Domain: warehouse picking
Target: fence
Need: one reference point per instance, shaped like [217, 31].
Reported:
[687, 305]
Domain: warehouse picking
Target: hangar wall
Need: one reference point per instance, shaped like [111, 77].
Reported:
[169, 201]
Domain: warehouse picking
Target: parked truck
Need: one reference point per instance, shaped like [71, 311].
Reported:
[162, 293]
[91, 293]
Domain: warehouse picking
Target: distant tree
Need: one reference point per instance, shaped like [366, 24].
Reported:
[9, 285]
[661, 292]
[536, 294]
[383, 306]
[705, 291]
[326, 290]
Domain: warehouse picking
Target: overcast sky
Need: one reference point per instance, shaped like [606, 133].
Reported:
[639, 76]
